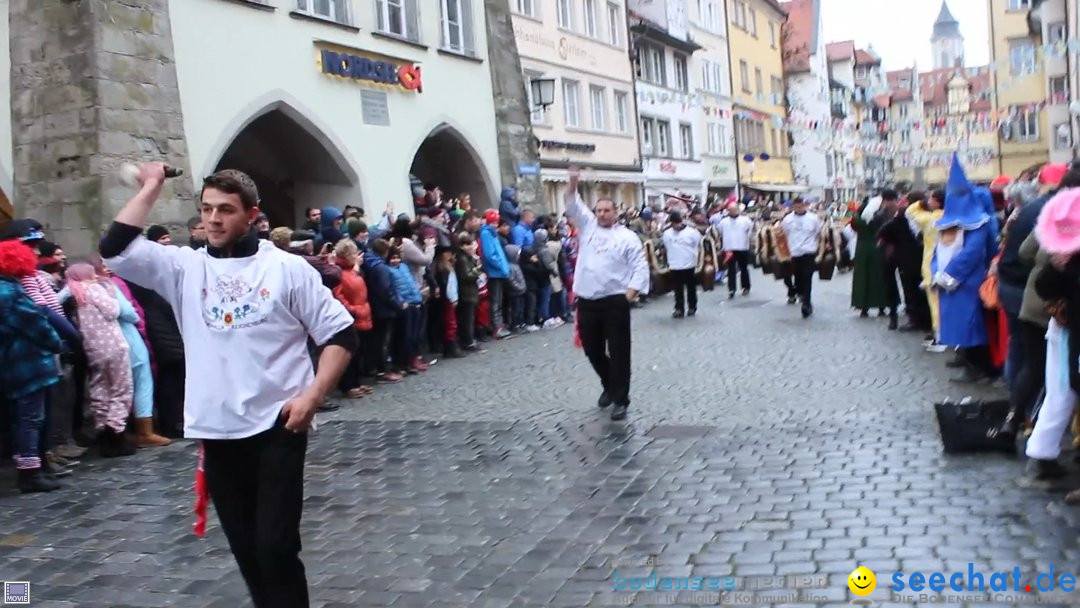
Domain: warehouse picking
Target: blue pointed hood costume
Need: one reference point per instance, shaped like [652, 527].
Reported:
[959, 268]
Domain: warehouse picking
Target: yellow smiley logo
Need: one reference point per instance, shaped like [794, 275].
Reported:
[862, 581]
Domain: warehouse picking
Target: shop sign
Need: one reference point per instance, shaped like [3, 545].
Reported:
[668, 167]
[528, 169]
[374, 68]
[719, 170]
[550, 144]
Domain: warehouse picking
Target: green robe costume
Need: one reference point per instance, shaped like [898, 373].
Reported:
[868, 282]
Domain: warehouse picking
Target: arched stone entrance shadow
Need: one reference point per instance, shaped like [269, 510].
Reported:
[295, 163]
[447, 159]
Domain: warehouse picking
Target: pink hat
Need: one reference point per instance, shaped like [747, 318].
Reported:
[1051, 173]
[1058, 228]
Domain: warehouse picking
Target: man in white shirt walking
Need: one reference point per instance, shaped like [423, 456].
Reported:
[247, 309]
[681, 244]
[611, 271]
[735, 230]
[803, 229]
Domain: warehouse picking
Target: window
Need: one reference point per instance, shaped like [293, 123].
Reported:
[682, 81]
[525, 7]
[1022, 56]
[757, 80]
[1057, 32]
[570, 103]
[457, 26]
[775, 144]
[615, 24]
[1019, 5]
[829, 165]
[598, 101]
[686, 141]
[592, 19]
[772, 34]
[334, 10]
[1028, 123]
[752, 23]
[860, 71]
[1059, 90]
[744, 75]
[776, 91]
[663, 138]
[650, 60]
[622, 112]
[538, 115]
[711, 15]
[714, 137]
[648, 126]
[1063, 136]
[902, 110]
[738, 16]
[565, 13]
[712, 77]
[397, 18]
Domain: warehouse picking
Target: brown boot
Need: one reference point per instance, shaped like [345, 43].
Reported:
[147, 438]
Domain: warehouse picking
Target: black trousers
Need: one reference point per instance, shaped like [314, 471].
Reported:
[1032, 375]
[739, 260]
[466, 322]
[169, 397]
[803, 283]
[604, 327]
[915, 304]
[354, 372]
[257, 486]
[375, 347]
[685, 286]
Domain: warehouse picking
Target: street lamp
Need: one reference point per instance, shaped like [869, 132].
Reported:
[543, 92]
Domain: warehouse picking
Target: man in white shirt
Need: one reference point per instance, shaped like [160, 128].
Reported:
[611, 271]
[246, 309]
[803, 229]
[735, 230]
[681, 244]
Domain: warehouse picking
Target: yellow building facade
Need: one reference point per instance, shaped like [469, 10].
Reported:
[1019, 87]
[760, 109]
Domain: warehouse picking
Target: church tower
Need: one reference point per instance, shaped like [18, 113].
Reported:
[947, 43]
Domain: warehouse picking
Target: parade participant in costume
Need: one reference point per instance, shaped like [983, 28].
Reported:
[735, 232]
[251, 394]
[1058, 283]
[903, 256]
[868, 285]
[803, 230]
[681, 242]
[611, 272]
[925, 214]
[830, 246]
[966, 244]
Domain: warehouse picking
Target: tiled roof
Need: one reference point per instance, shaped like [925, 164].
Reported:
[839, 51]
[865, 58]
[935, 86]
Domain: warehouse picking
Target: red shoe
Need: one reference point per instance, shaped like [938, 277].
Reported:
[419, 364]
[388, 378]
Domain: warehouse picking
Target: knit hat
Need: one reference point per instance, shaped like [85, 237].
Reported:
[1051, 173]
[155, 232]
[25, 230]
[541, 235]
[353, 226]
[1058, 227]
[491, 216]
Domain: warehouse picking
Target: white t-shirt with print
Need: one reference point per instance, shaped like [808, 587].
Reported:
[245, 323]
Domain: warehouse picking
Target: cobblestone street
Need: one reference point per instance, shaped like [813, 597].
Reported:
[757, 444]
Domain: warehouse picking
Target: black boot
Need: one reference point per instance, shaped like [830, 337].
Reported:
[451, 351]
[106, 443]
[894, 321]
[34, 480]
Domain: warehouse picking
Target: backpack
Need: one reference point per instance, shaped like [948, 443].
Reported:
[517, 280]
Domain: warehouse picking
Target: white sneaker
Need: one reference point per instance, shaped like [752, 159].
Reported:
[532, 328]
[936, 348]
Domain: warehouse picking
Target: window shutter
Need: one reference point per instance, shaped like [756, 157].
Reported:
[468, 26]
[301, 5]
[380, 15]
[412, 21]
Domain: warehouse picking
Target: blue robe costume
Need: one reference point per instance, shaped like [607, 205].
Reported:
[972, 209]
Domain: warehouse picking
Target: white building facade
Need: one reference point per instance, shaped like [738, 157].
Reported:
[806, 74]
[844, 162]
[716, 127]
[669, 106]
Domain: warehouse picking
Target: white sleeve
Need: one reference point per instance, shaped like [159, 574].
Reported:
[156, 267]
[314, 305]
[639, 282]
[576, 209]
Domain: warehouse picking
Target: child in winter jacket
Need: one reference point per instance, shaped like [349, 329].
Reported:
[468, 270]
[385, 308]
[27, 364]
[353, 294]
[537, 283]
[406, 340]
[517, 287]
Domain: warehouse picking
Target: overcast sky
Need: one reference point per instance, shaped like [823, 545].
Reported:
[900, 29]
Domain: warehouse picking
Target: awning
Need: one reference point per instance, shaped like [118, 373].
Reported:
[611, 177]
[778, 187]
[723, 183]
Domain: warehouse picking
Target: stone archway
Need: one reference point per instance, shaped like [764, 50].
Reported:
[292, 162]
[447, 160]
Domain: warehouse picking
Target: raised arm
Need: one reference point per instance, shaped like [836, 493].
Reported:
[575, 207]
